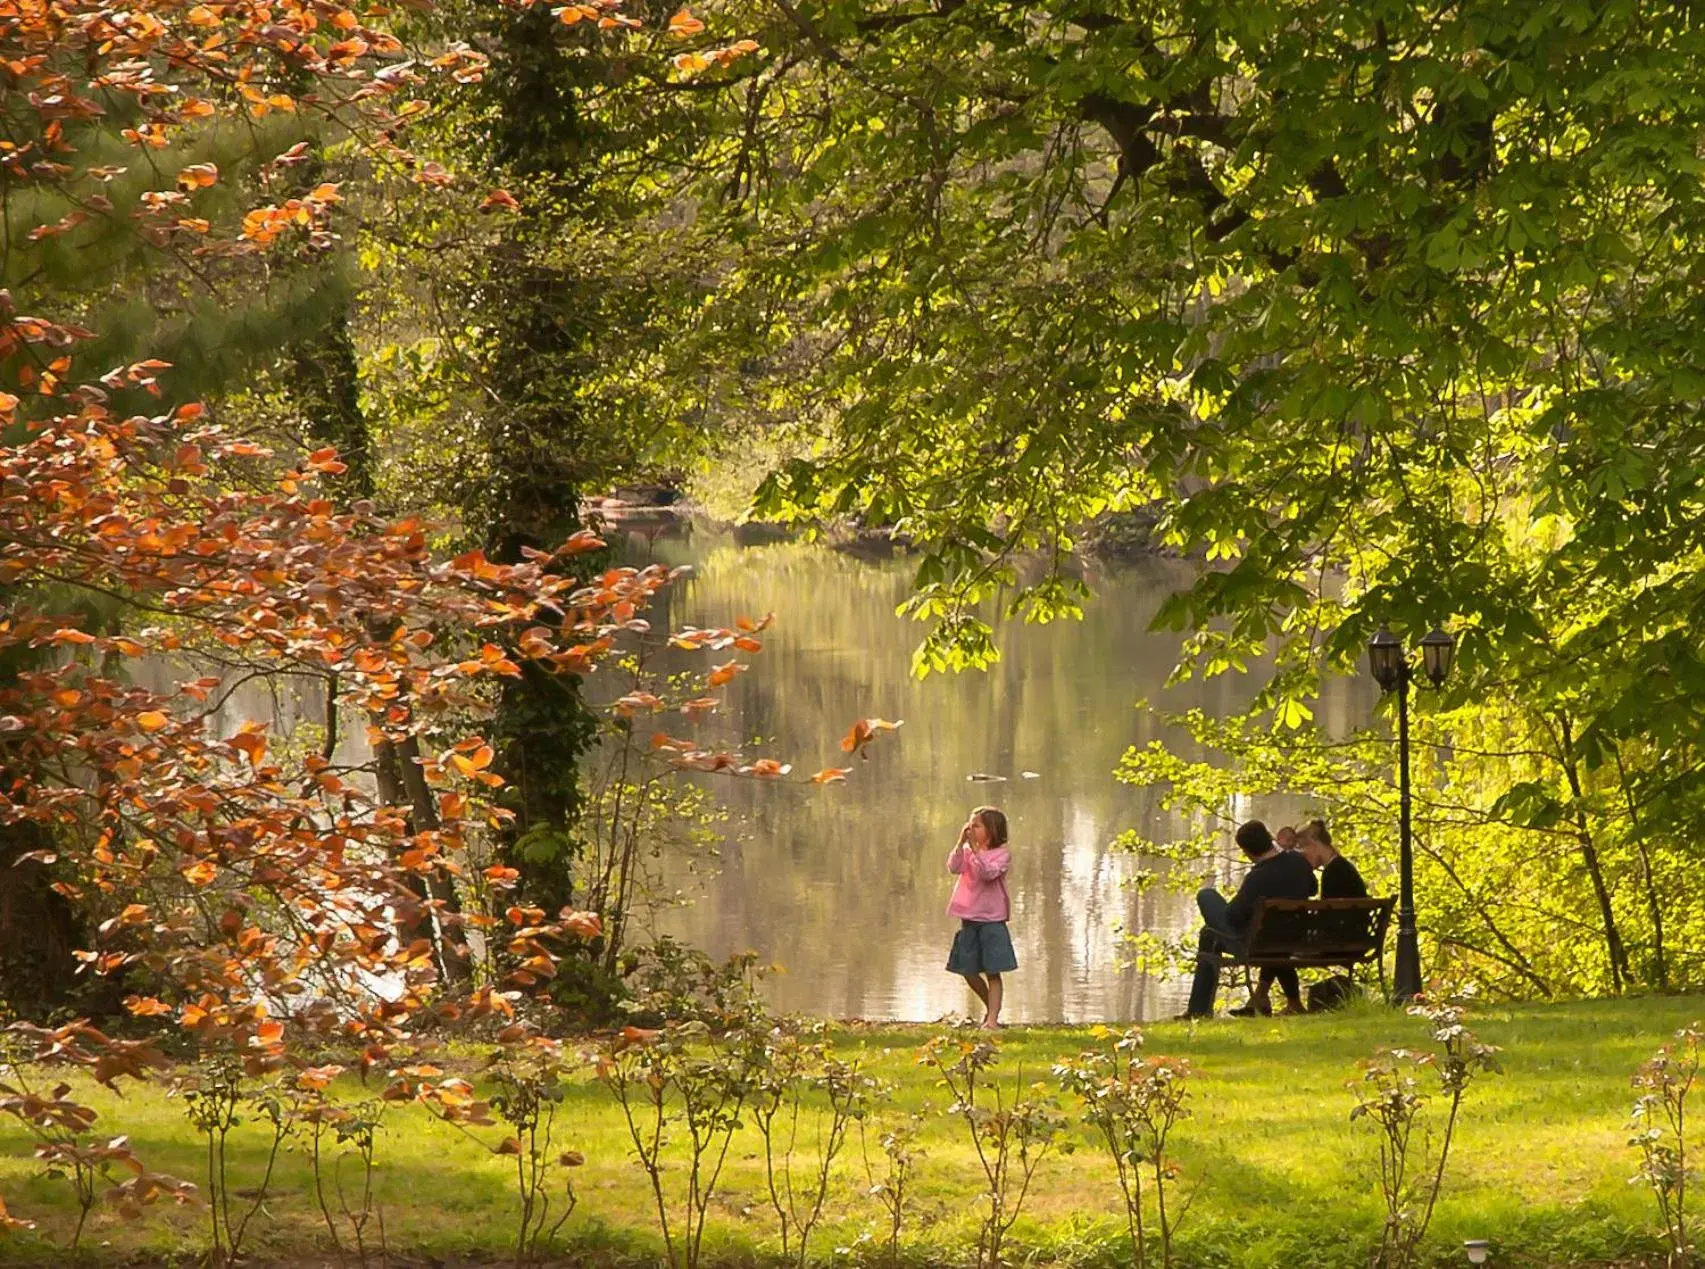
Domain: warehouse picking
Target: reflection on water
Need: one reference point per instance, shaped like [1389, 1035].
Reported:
[845, 885]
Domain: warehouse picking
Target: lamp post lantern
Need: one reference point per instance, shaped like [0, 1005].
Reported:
[1389, 662]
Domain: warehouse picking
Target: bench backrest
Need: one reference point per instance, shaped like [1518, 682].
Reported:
[1324, 931]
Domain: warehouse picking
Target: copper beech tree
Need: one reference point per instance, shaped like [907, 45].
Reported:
[246, 891]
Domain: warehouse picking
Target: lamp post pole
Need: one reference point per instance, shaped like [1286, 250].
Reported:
[1389, 661]
[1406, 976]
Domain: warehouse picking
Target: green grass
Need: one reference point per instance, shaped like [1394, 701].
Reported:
[1280, 1175]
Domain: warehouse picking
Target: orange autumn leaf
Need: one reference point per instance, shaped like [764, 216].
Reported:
[146, 1006]
[684, 24]
[251, 740]
[832, 775]
[500, 200]
[586, 925]
[152, 720]
[198, 176]
[724, 673]
[200, 873]
[318, 1077]
[864, 731]
[471, 764]
[326, 460]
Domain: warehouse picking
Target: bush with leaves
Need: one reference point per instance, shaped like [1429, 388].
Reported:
[1134, 1103]
[217, 1099]
[1660, 1135]
[900, 1155]
[1012, 1130]
[352, 1129]
[681, 1089]
[530, 1074]
[804, 1102]
[63, 1129]
[683, 1079]
[1391, 1096]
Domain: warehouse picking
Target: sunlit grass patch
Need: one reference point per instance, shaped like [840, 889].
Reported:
[1275, 1171]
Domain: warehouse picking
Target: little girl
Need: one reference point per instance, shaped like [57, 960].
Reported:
[983, 945]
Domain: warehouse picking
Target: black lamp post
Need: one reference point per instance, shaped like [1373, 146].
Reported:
[1389, 661]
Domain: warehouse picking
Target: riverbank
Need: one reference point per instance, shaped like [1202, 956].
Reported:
[1276, 1173]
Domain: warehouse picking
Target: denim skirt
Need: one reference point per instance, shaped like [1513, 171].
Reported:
[982, 947]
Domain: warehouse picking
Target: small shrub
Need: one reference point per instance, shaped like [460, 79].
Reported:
[531, 1074]
[798, 1085]
[1660, 1135]
[686, 1077]
[900, 1155]
[1011, 1132]
[217, 1101]
[353, 1129]
[1391, 1097]
[1134, 1103]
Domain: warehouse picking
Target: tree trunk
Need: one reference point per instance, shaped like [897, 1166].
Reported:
[402, 783]
[1617, 952]
[1654, 906]
[39, 930]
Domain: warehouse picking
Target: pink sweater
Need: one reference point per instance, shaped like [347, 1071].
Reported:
[980, 893]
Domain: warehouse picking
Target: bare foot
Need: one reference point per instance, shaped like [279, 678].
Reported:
[990, 1026]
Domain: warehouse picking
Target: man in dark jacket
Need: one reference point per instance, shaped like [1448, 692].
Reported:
[1275, 874]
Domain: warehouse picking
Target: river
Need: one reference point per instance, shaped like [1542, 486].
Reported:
[843, 886]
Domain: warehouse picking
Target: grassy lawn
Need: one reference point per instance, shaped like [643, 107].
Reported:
[1282, 1177]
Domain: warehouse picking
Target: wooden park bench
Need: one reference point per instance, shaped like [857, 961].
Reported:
[1313, 934]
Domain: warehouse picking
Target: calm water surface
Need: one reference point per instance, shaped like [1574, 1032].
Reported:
[845, 885]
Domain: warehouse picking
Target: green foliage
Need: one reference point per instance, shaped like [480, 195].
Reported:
[1386, 312]
[1512, 837]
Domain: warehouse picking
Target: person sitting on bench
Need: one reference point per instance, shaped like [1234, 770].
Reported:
[1338, 876]
[1338, 880]
[1276, 874]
